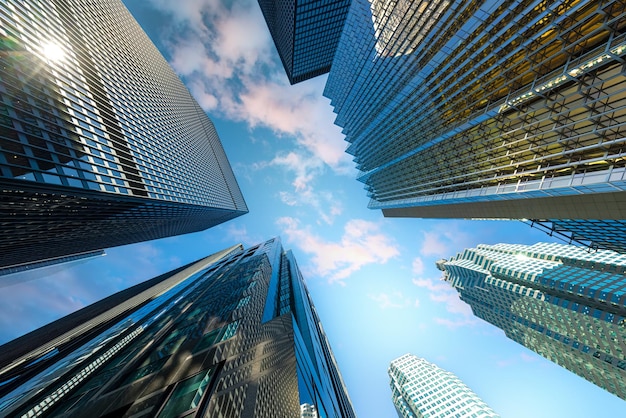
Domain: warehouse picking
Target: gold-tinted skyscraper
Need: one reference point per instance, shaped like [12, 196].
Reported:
[101, 143]
[489, 109]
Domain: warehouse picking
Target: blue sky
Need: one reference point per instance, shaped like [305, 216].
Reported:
[372, 279]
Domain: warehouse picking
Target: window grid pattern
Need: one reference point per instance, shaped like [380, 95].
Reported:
[108, 118]
[201, 347]
[597, 233]
[458, 102]
[422, 390]
[305, 33]
[564, 302]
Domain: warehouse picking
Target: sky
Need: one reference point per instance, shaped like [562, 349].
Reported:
[372, 279]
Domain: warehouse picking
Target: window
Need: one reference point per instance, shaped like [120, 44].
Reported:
[186, 395]
[230, 331]
[207, 340]
[146, 369]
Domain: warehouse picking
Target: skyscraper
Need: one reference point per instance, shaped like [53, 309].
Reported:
[420, 389]
[306, 34]
[561, 301]
[100, 142]
[487, 109]
[232, 335]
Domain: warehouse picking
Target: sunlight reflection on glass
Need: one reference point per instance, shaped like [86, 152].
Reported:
[52, 51]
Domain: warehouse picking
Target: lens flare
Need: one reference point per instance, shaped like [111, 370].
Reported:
[52, 51]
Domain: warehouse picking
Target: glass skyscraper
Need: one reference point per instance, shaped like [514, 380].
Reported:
[563, 302]
[306, 34]
[100, 142]
[233, 335]
[488, 109]
[420, 389]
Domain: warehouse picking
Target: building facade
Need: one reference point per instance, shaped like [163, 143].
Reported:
[100, 143]
[488, 109]
[563, 302]
[420, 389]
[305, 33]
[232, 335]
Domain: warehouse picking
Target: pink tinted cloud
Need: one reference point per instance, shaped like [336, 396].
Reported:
[205, 98]
[362, 243]
[299, 111]
[188, 12]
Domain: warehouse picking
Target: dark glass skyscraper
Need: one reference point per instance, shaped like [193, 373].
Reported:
[563, 302]
[232, 335]
[100, 142]
[488, 109]
[306, 34]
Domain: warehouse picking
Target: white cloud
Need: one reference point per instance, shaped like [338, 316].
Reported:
[384, 301]
[417, 266]
[433, 245]
[237, 233]
[441, 240]
[529, 358]
[304, 168]
[441, 292]
[524, 357]
[505, 363]
[453, 303]
[394, 300]
[433, 286]
[327, 206]
[287, 198]
[362, 243]
[457, 322]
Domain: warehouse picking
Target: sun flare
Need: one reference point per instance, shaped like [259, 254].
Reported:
[52, 51]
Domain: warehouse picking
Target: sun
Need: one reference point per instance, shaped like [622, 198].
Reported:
[52, 51]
